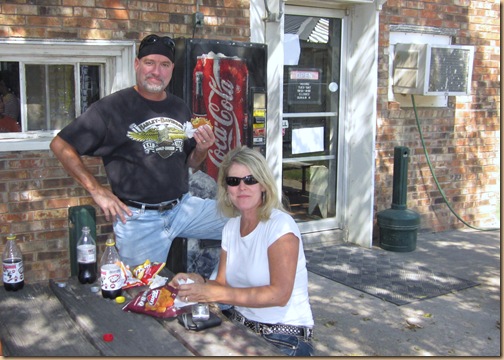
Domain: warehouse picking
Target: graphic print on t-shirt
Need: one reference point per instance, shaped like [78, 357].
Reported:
[161, 135]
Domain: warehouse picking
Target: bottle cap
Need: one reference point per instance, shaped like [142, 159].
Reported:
[108, 337]
[110, 242]
[120, 299]
[11, 237]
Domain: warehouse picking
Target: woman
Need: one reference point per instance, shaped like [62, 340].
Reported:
[262, 269]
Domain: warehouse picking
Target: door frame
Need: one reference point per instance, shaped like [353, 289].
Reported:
[359, 106]
[337, 221]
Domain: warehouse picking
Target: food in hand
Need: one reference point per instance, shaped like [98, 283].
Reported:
[200, 121]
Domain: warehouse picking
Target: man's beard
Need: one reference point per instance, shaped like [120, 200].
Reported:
[152, 88]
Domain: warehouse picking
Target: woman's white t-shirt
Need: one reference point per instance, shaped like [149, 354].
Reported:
[247, 266]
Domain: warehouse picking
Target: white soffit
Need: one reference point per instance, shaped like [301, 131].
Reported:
[330, 4]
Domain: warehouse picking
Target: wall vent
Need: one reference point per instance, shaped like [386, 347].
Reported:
[426, 69]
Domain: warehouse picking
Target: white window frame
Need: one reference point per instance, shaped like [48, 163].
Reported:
[117, 58]
[411, 37]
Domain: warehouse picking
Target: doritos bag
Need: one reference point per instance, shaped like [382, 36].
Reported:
[158, 302]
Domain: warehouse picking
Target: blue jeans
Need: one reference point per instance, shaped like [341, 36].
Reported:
[148, 234]
[290, 345]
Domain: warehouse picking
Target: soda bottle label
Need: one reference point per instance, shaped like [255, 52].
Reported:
[13, 271]
[111, 277]
[86, 254]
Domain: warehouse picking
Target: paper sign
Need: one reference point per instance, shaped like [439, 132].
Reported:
[292, 49]
[307, 140]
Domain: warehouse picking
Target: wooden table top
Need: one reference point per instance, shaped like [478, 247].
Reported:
[45, 319]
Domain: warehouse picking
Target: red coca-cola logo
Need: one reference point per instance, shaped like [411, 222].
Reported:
[226, 126]
[225, 82]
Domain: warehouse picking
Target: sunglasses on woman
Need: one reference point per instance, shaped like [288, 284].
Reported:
[235, 181]
[151, 39]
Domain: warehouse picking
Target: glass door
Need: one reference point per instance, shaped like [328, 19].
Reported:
[310, 123]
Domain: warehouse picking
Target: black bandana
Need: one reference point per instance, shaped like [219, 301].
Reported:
[157, 48]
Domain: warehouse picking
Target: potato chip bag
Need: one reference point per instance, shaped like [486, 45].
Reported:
[158, 302]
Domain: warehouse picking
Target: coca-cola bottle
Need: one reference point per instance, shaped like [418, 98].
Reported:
[199, 108]
[12, 264]
[110, 270]
[86, 257]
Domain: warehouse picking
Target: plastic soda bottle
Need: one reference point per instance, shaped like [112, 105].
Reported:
[86, 257]
[110, 270]
[12, 264]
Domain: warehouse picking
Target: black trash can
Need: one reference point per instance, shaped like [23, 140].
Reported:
[398, 225]
[398, 229]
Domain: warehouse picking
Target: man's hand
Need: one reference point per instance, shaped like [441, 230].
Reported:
[110, 204]
[104, 198]
[205, 138]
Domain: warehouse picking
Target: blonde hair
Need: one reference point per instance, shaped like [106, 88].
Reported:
[259, 169]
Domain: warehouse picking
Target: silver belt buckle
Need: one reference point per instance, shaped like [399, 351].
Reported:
[239, 318]
[266, 330]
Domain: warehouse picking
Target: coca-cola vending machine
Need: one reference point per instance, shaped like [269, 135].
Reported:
[224, 81]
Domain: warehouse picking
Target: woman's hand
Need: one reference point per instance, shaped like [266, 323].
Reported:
[193, 292]
[196, 278]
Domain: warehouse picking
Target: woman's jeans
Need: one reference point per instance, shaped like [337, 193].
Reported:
[290, 345]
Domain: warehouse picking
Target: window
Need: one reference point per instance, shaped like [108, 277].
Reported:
[50, 95]
[55, 81]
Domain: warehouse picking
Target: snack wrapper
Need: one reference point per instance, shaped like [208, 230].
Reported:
[158, 302]
[147, 271]
[179, 303]
[189, 130]
[129, 280]
[142, 275]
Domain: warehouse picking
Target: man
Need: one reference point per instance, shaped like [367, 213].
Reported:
[138, 132]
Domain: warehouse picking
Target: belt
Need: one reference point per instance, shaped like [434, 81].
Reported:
[167, 205]
[262, 328]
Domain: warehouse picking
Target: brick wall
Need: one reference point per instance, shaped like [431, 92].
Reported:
[35, 191]
[462, 139]
[122, 19]
[35, 194]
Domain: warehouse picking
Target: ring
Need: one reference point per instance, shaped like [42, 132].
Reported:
[186, 299]
[204, 141]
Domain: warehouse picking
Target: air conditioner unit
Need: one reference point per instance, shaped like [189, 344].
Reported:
[427, 69]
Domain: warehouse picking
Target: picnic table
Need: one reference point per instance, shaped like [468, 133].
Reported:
[49, 319]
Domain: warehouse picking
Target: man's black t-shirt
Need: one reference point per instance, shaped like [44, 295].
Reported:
[140, 142]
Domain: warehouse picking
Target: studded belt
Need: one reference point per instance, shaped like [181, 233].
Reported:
[164, 206]
[263, 328]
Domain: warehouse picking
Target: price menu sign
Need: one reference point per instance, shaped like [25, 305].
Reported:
[304, 86]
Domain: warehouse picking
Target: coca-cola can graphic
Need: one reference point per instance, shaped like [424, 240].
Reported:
[220, 93]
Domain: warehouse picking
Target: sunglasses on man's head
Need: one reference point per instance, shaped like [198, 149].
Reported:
[235, 181]
[151, 39]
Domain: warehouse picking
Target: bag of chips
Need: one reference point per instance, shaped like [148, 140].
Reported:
[158, 302]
